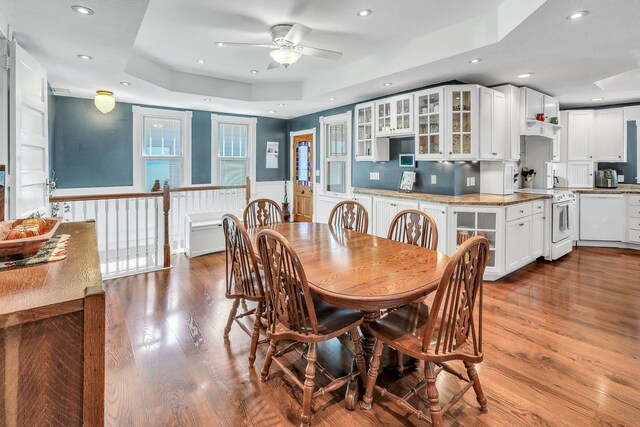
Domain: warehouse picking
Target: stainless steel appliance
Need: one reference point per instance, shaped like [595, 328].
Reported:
[562, 229]
[607, 178]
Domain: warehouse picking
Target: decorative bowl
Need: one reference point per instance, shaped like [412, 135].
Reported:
[16, 249]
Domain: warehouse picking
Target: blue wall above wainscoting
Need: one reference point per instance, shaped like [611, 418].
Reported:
[450, 177]
[91, 149]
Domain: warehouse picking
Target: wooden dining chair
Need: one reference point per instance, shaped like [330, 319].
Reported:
[415, 228]
[449, 330]
[243, 281]
[262, 212]
[294, 315]
[349, 214]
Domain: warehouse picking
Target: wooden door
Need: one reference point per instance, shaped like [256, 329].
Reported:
[29, 153]
[303, 178]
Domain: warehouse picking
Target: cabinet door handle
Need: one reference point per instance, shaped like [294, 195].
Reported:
[591, 157]
[521, 211]
[450, 152]
[521, 224]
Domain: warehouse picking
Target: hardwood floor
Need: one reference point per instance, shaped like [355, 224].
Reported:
[561, 343]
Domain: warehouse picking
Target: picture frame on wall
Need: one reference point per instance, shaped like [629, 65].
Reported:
[272, 155]
[407, 181]
[407, 160]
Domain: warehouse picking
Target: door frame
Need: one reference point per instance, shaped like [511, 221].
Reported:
[292, 165]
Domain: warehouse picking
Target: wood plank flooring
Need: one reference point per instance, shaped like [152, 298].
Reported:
[561, 342]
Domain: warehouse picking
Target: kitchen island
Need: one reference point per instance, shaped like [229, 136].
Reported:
[52, 332]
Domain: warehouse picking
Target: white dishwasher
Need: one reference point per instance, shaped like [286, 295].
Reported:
[602, 217]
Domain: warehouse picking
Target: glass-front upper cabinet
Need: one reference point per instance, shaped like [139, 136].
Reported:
[394, 116]
[364, 131]
[368, 146]
[462, 122]
[429, 114]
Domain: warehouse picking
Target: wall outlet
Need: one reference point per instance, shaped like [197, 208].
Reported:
[620, 178]
[471, 181]
[374, 175]
[434, 179]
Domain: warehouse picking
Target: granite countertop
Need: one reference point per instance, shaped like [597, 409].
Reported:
[622, 189]
[478, 199]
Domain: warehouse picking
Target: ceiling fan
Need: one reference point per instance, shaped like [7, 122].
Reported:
[286, 49]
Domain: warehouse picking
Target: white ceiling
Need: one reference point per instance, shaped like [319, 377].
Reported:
[155, 45]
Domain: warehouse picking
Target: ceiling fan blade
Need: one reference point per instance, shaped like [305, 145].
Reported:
[273, 65]
[296, 34]
[320, 53]
[231, 44]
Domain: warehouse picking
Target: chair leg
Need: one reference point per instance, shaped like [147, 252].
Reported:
[268, 360]
[373, 374]
[400, 362]
[432, 393]
[360, 362]
[232, 315]
[255, 336]
[309, 382]
[473, 376]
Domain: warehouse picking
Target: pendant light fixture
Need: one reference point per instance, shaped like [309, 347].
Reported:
[104, 100]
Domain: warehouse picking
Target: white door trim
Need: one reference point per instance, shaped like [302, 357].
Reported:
[292, 166]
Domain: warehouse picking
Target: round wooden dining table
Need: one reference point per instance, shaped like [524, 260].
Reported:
[359, 271]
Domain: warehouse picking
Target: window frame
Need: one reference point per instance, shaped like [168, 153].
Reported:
[325, 122]
[139, 158]
[251, 122]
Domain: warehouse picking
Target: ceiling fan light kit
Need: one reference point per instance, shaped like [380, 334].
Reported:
[285, 56]
[285, 47]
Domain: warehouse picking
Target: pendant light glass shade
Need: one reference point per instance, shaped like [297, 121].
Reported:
[104, 100]
[285, 56]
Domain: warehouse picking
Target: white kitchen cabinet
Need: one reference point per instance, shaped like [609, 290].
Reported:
[533, 103]
[439, 214]
[367, 146]
[384, 209]
[512, 121]
[394, 116]
[492, 124]
[579, 128]
[633, 219]
[462, 122]
[601, 217]
[580, 174]
[537, 235]
[609, 142]
[430, 124]
[469, 221]
[555, 147]
[518, 243]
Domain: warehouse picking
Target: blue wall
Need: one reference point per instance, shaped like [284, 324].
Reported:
[630, 168]
[450, 176]
[91, 149]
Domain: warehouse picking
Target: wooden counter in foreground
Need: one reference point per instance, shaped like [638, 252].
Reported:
[478, 199]
[52, 331]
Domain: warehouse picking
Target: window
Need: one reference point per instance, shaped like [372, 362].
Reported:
[336, 153]
[161, 145]
[233, 148]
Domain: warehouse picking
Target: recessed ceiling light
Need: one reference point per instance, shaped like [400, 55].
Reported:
[254, 71]
[332, 99]
[85, 57]
[125, 83]
[524, 75]
[220, 44]
[280, 105]
[387, 84]
[201, 61]
[208, 99]
[364, 12]
[272, 111]
[597, 99]
[475, 60]
[577, 15]
[82, 10]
